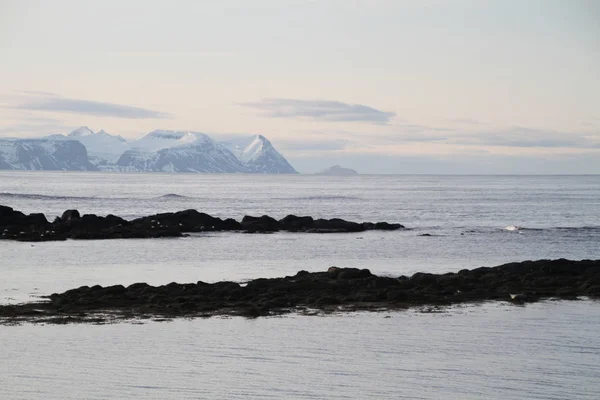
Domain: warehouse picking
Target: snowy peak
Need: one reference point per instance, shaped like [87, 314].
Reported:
[163, 139]
[102, 147]
[103, 133]
[84, 131]
[248, 149]
[159, 150]
[81, 132]
[177, 151]
[259, 155]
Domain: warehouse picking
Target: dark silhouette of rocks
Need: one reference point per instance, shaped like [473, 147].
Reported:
[338, 289]
[15, 225]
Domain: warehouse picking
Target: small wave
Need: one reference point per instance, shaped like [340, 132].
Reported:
[324, 197]
[513, 228]
[172, 196]
[34, 196]
[578, 228]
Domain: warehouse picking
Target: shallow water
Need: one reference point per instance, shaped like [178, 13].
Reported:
[545, 350]
[491, 351]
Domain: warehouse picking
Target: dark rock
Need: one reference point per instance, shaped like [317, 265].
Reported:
[70, 215]
[424, 278]
[335, 225]
[294, 223]
[183, 221]
[385, 226]
[353, 273]
[37, 219]
[115, 289]
[13, 218]
[136, 287]
[34, 227]
[260, 224]
[353, 288]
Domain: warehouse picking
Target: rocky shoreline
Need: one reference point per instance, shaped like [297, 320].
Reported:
[15, 225]
[338, 289]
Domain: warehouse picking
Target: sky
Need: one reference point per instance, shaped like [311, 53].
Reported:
[456, 86]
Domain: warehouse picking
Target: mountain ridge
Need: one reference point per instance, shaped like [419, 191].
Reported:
[259, 155]
[44, 154]
[157, 151]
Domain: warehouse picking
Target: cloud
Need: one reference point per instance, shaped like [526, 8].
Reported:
[517, 137]
[465, 121]
[323, 110]
[49, 102]
[319, 145]
[32, 129]
[29, 124]
[530, 137]
[37, 93]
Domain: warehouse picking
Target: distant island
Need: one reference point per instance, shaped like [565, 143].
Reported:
[336, 170]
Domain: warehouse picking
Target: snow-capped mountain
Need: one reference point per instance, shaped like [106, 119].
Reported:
[157, 151]
[103, 148]
[44, 154]
[259, 156]
[173, 151]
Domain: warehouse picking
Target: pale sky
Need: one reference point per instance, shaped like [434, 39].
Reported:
[462, 86]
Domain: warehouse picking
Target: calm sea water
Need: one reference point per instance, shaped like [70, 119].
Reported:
[492, 351]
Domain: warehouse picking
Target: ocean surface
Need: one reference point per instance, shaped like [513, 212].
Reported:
[547, 350]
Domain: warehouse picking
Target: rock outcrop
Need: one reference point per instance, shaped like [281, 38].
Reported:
[345, 289]
[336, 170]
[15, 225]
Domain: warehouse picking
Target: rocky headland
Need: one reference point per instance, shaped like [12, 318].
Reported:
[335, 290]
[15, 225]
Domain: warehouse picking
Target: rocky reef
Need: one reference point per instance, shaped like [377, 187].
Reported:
[338, 289]
[15, 225]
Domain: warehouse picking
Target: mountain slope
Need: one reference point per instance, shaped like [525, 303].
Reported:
[157, 151]
[175, 151]
[44, 154]
[259, 156]
[103, 149]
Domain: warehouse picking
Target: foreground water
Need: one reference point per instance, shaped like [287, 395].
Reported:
[545, 350]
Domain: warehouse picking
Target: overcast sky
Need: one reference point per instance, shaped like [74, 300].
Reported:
[462, 86]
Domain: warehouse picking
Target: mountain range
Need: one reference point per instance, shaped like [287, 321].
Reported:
[157, 151]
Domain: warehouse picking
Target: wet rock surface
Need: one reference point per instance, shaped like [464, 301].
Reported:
[337, 289]
[15, 225]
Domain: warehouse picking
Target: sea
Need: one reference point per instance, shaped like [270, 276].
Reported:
[545, 350]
